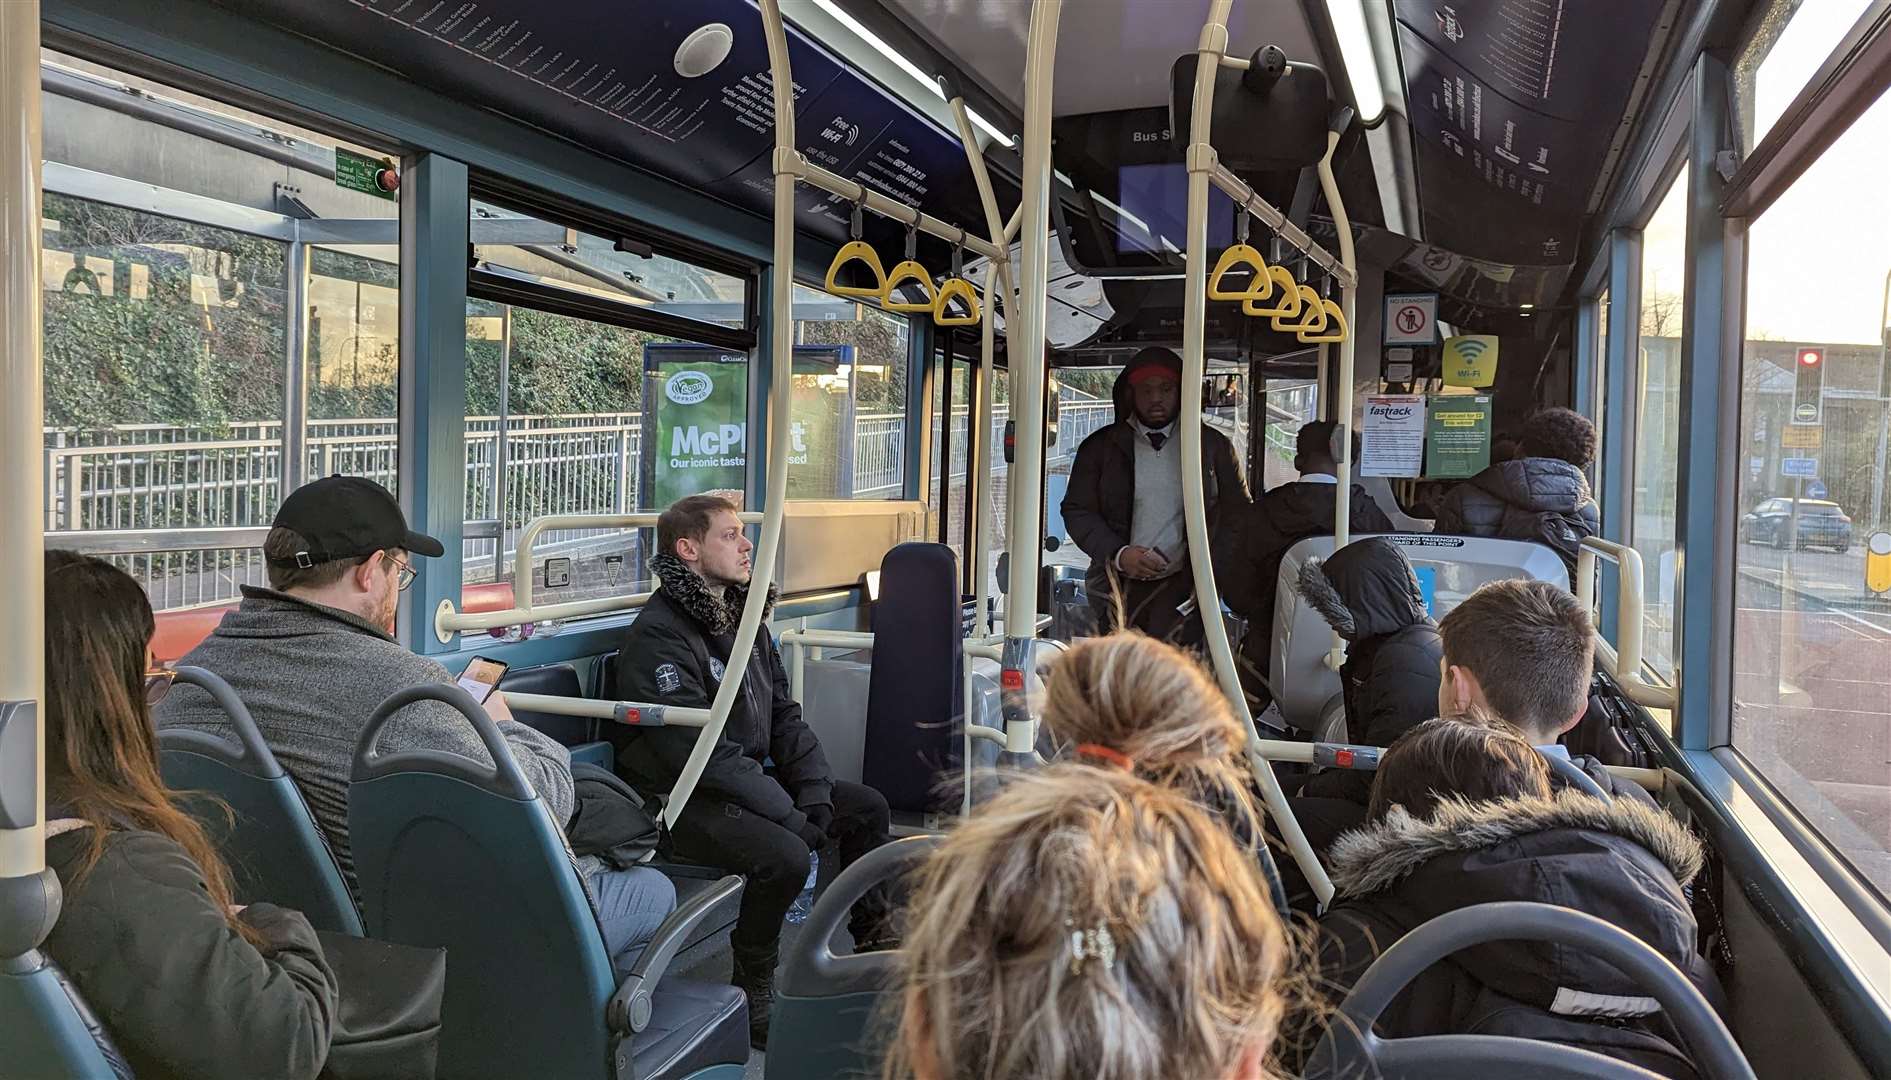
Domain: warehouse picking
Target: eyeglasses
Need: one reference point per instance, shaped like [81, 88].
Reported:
[407, 573]
[157, 683]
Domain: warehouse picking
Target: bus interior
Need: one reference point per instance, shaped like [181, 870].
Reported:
[541, 269]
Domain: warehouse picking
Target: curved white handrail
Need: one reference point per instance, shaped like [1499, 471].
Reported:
[1623, 660]
[447, 621]
[1203, 169]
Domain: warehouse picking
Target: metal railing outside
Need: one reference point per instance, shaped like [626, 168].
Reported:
[161, 478]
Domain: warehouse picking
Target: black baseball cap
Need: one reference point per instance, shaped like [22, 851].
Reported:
[347, 517]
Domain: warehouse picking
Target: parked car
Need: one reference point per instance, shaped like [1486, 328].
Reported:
[1821, 524]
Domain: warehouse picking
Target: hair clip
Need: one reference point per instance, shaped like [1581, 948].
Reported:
[1104, 754]
[1093, 943]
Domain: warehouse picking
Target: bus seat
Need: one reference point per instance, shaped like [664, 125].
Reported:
[604, 676]
[276, 851]
[47, 1030]
[916, 690]
[579, 734]
[456, 854]
[1351, 1048]
[826, 1006]
[1449, 569]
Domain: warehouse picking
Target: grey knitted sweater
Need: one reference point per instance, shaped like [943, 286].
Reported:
[312, 675]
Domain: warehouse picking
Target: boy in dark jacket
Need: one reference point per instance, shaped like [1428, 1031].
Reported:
[1524, 651]
[1124, 504]
[761, 821]
[1462, 815]
[1368, 593]
[1281, 518]
[1542, 496]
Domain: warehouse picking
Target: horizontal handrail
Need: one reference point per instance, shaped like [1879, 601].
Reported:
[632, 713]
[809, 173]
[1247, 198]
[1623, 661]
[448, 621]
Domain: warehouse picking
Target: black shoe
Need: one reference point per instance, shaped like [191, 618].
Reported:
[757, 983]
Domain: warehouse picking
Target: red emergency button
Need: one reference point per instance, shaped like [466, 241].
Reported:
[1343, 758]
[633, 716]
[1013, 680]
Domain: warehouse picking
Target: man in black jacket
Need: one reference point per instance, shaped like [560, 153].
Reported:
[1124, 504]
[767, 797]
[1280, 519]
[1542, 496]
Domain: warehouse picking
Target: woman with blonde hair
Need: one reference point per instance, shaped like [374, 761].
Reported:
[1148, 707]
[1087, 923]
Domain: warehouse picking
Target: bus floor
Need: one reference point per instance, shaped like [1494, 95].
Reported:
[712, 961]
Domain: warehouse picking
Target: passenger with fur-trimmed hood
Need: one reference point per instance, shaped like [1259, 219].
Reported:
[1463, 814]
[1369, 594]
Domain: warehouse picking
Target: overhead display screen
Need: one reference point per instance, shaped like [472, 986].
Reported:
[1513, 104]
[678, 87]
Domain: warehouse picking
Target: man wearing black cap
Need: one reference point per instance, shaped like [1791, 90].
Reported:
[1124, 505]
[314, 655]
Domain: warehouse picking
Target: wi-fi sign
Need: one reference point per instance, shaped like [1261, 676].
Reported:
[1470, 360]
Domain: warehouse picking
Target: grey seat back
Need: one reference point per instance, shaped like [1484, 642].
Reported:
[275, 849]
[1449, 569]
[916, 691]
[456, 854]
[1351, 1048]
[47, 1031]
[826, 1004]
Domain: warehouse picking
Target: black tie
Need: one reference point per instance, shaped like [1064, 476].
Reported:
[1157, 438]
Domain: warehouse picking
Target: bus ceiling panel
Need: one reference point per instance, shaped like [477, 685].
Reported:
[677, 87]
[1513, 108]
[1113, 54]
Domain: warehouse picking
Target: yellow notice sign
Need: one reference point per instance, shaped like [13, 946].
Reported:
[1470, 360]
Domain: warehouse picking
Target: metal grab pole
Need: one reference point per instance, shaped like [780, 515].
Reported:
[1202, 164]
[1343, 398]
[781, 301]
[1026, 353]
[998, 272]
[29, 896]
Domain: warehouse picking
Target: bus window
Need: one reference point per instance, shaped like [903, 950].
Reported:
[1601, 397]
[181, 308]
[1792, 38]
[1658, 418]
[1811, 640]
[849, 428]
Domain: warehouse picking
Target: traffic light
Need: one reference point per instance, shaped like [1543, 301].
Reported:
[1808, 386]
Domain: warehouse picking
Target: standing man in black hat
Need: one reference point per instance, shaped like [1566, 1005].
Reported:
[1124, 505]
[314, 655]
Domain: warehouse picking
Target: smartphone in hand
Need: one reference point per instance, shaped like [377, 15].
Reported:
[481, 677]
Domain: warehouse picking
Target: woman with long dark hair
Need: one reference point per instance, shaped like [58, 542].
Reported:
[187, 983]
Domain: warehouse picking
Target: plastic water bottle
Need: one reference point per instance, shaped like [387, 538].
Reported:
[798, 911]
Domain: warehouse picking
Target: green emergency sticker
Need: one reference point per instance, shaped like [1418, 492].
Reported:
[358, 172]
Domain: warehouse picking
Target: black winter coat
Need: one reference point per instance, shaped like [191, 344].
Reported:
[1102, 492]
[1622, 862]
[181, 993]
[1545, 500]
[675, 654]
[1276, 521]
[1367, 593]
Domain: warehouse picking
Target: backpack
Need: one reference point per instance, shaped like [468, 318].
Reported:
[611, 820]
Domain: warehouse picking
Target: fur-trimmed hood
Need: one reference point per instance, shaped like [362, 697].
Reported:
[1622, 862]
[1378, 856]
[717, 614]
[1366, 589]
